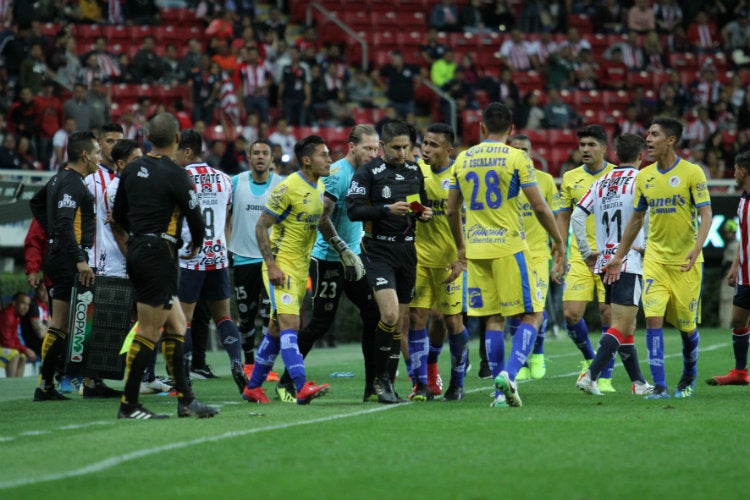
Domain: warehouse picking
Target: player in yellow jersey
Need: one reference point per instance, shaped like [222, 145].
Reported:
[436, 253]
[294, 213]
[580, 281]
[501, 279]
[675, 193]
[538, 241]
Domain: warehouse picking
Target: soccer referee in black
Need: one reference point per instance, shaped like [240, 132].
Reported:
[154, 196]
[379, 195]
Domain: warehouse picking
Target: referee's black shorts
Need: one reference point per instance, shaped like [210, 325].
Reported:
[152, 267]
[391, 265]
[61, 270]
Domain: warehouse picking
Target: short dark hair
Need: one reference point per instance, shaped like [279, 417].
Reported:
[395, 128]
[189, 138]
[79, 142]
[306, 146]
[122, 149]
[112, 127]
[162, 130]
[18, 295]
[359, 131]
[443, 129]
[743, 160]
[520, 137]
[672, 127]
[595, 131]
[261, 141]
[497, 117]
[629, 147]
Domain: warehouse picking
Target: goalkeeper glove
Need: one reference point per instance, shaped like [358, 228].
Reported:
[353, 268]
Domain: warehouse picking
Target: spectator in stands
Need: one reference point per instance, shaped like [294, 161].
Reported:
[319, 95]
[246, 39]
[726, 119]
[543, 48]
[68, 73]
[715, 145]
[443, 69]
[632, 53]
[736, 34]
[147, 66]
[472, 17]
[558, 114]
[26, 155]
[191, 62]
[500, 15]
[507, 91]
[33, 69]
[667, 105]
[736, 91]
[668, 15]
[294, 90]
[34, 324]
[743, 113]
[91, 71]
[100, 98]
[49, 112]
[574, 42]
[518, 53]
[275, 22]
[554, 16]
[432, 49]
[60, 143]
[142, 12]
[89, 11]
[703, 34]
[107, 62]
[14, 352]
[560, 68]
[360, 89]
[22, 116]
[78, 108]
[463, 95]
[9, 157]
[575, 160]
[613, 73]
[223, 56]
[700, 128]
[444, 16]
[215, 153]
[530, 114]
[654, 58]
[172, 73]
[586, 71]
[629, 123]
[641, 17]
[250, 129]
[706, 89]
[677, 41]
[530, 19]
[609, 17]
[252, 80]
[398, 80]
[284, 137]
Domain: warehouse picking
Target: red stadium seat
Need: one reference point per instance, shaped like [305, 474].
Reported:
[117, 34]
[581, 22]
[565, 139]
[470, 126]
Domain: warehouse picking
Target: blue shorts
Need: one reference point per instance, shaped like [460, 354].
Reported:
[206, 285]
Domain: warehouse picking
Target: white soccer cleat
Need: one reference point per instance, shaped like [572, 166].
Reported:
[641, 388]
[509, 388]
[587, 385]
[154, 387]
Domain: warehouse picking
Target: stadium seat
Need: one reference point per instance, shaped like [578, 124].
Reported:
[117, 34]
[565, 139]
[617, 100]
[582, 22]
[470, 126]
[50, 29]
[540, 137]
[385, 41]
[84, 33]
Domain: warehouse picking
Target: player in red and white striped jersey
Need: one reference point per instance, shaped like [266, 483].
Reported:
[739, 277]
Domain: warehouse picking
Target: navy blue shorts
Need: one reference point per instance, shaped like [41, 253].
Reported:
[206, 285]
[742, 297]
[626, 291]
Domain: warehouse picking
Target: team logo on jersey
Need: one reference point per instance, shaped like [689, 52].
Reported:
[386, 192]
[143, 172]
[399, 177]
[67, 202]
[193, 200]
[693, 305]
[381, 282]
[475, 298]
[674, 181]
[355, 188]
[286, 299]
[445, 183]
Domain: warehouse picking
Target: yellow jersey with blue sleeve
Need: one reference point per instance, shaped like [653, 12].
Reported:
[536, 236]
[297, 205]
[490, 177]
[575, 184]
[671, 197]
[434, 242]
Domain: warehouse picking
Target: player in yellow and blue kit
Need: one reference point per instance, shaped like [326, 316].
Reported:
[501, 278]
[538, 241]
[580, 282]
[293, 211]
[675, 193]
[436, 255]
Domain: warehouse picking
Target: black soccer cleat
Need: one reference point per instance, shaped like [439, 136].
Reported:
[202, 373]
[138, 413]
[383, 389]
[238, 373]
[454, 393]
[484, 370]
[100, 390]
[50, 394]
[196, 409]
[420, 392]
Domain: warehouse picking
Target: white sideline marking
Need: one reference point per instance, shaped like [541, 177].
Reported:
[114, 461]
[108, 463]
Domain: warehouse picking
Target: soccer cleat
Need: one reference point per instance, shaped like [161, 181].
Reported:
[65, 387]
[138, 413]
[639, 388]
[509, 388]
[537, 366]
[585, 365]
[659, 392]
[154, 387]
[311, 391]
[239, 377]
[499, 401]
[605, 385]
[286, 393]
[734, 377]
[523, 374]
[484, 370]
[585, 384]
[196, 409]
[369, 396]
[420, 392]
[271, 377]
[685, 387]
[454, 393]
[434, 382]
[50, 394]
[383, 389]
[100, 390]
[255, 395]
[202, 373]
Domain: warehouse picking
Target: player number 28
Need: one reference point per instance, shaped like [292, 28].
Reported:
[492, 195]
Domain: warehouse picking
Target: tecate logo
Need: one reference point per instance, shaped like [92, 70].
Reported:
[79, 326]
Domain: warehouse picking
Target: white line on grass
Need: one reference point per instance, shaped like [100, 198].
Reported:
[114, 461]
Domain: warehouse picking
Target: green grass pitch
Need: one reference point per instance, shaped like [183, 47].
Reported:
[562, 444]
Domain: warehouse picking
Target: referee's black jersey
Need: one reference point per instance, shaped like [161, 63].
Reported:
[154, 195]
[71, 215]
[377, 184]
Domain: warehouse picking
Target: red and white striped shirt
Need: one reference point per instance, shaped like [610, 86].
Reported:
[251, 77]
[743, 274]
